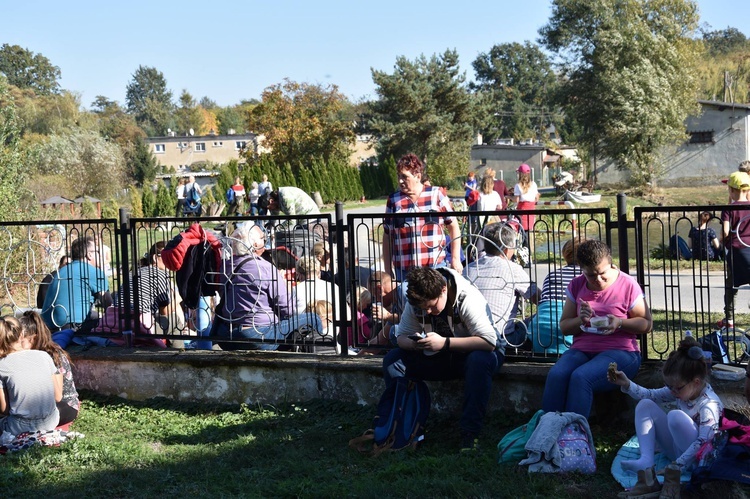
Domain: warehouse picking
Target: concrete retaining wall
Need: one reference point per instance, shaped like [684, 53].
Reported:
[270, 378]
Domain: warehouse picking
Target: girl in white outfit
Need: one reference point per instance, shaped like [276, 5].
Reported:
[678, 433]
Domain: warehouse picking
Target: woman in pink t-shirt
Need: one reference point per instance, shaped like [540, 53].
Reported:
[616, 304]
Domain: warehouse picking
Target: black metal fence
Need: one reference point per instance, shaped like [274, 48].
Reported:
[688, 294]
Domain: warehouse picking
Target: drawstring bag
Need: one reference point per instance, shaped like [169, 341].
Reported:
[511, 447]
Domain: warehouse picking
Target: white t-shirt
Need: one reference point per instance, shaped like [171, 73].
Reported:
[489, 202]
[254, 195]
[264, 187]
[529, 195]
[181, 191]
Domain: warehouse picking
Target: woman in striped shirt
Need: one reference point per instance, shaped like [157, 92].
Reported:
[544, 326]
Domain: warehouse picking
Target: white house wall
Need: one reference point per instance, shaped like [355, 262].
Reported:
[699, 164]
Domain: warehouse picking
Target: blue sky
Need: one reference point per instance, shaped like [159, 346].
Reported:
[232, 50]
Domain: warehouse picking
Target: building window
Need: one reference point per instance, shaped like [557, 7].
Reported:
[239, 145]
[182, 145]
[218, 143]
[483, 162]
[200, 147]
[702, 137]
[159, 148]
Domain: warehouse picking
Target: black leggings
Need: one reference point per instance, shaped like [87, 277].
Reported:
[67, 413]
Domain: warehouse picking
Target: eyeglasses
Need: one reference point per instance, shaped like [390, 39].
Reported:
[676, 389]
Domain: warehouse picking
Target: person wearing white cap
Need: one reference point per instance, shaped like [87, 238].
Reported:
[526, 195]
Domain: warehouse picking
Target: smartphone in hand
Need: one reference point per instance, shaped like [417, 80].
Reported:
[416, 337]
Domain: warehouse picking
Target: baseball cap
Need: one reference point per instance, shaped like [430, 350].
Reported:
[524, 168]
[738, 180]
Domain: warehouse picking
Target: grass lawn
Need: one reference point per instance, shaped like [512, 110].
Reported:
[161, 448]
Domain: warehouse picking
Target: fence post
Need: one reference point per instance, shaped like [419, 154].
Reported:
[124, 237]
[622, 231]
[340, 279]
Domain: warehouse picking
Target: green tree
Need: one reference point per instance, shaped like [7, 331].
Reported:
[724, 41]
[110, 209]
[230, 118]
[88, 210]
[425, 107]
[47, 114]
[188, 114]
[518, 82]
[302, 121]
[629, 76]
[94, 165]
[24, 69]
[149, 100]
[13, 172]
[115, 124]
[136, 202]
[148, 202]
[141, 164]
[164, 206]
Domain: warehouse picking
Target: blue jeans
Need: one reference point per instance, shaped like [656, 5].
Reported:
[573, 380]
[203, 324]
[270, 333]
[476, 367]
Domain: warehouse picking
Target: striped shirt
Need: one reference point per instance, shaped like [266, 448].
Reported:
[154, 290]
[556, 283]
[26, 377]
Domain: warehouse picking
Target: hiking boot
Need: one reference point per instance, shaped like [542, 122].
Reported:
[671, 489]
[646, 487]
[469, 442]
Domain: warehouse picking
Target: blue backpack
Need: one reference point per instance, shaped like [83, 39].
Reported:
[230, 196]
[402, 412]
[192, 196]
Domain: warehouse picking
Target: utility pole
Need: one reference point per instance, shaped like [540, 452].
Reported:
[728, 97]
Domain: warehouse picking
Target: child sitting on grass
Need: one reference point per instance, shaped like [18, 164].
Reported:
[680, 432]
[30, 385]
[40, 338]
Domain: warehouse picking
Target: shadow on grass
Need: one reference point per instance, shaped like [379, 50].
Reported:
[161, 448]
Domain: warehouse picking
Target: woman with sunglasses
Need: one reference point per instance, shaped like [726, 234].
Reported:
[679, 433]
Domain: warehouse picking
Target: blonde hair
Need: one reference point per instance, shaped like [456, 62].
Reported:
[320, 307]
[319, 250]
[568, 251]
[362, 296]
[307, 267]
[488, 185]
[489, 172]
[524, 181]
[10, 332]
